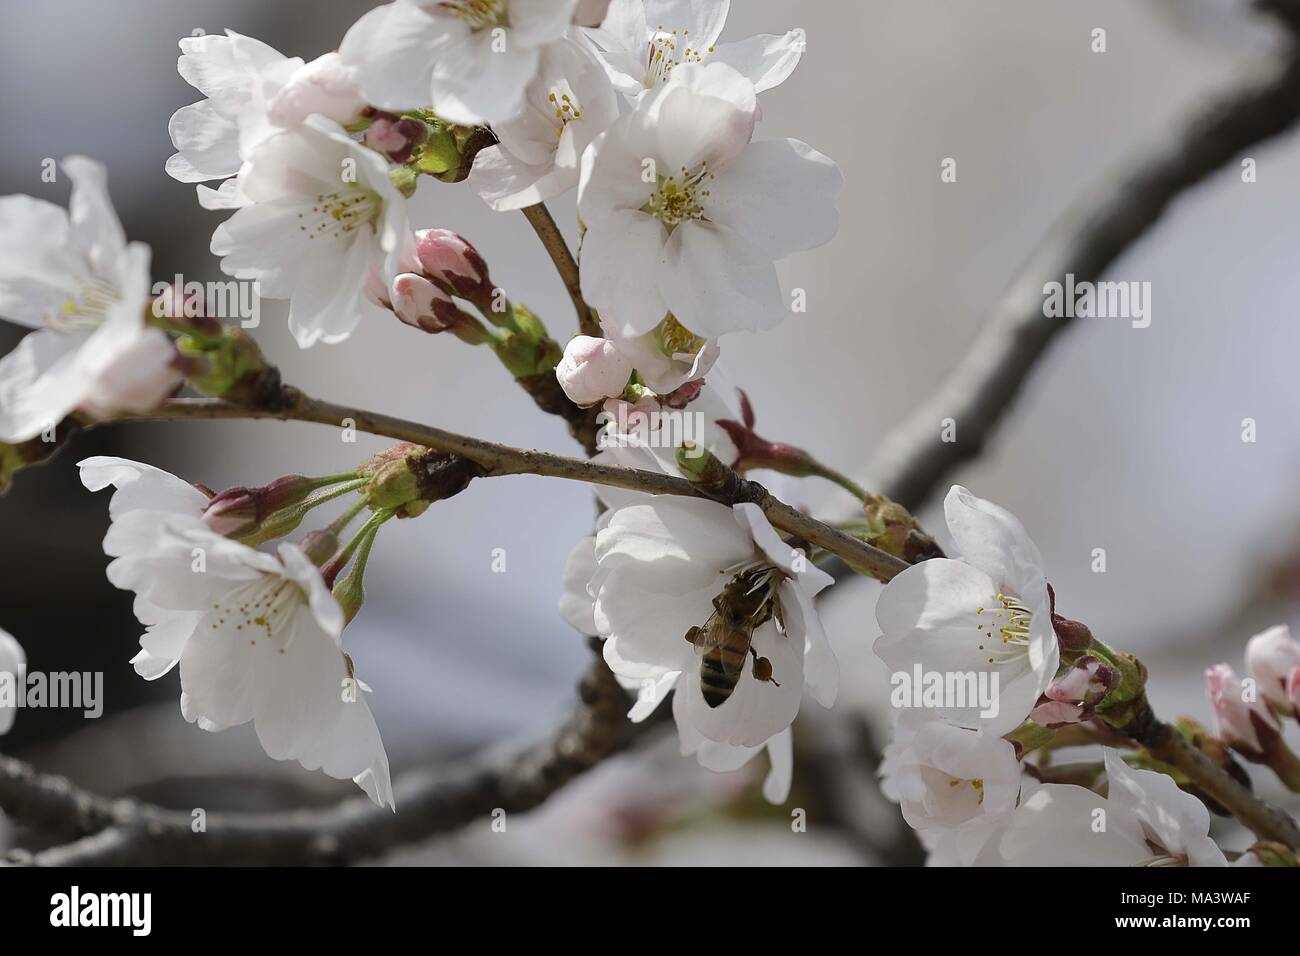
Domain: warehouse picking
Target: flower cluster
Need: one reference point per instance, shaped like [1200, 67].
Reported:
[988, 620]
[706, 595]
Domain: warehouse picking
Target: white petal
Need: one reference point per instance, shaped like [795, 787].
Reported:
[715, 281]
[537, 22]
[39, 384]
[39, 270]
[674, 542]
[780, 195]
[704, 19]
[576, 605]
[619, 265]
[994, 540]
[393, 48]
[766, 60]
[207, 144]
[140, 486]
[1178, 821]
[474, 83]
[756, 710]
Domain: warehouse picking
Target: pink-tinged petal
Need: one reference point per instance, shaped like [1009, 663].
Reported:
[780, 195]
[1271, 657]
[715, 281]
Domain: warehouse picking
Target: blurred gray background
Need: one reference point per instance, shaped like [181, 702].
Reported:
[1125, 439]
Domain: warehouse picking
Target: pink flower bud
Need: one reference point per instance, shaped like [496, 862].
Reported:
[1240, 721]
[396, 137]
[420, 303]
[240, 512]
[453, 263]
[592, 370]
[1054, 713]
[1273, 659]
[1087, 682]
[325, 86]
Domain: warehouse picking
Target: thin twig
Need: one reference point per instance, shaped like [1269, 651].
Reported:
[539, 217]
[499, 460]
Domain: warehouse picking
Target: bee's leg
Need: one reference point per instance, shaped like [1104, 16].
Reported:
[762, 668]
[691, 634]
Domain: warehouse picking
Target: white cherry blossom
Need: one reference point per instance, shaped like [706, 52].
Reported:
[470, 60]
[662, 564]
[641, 43]
[943, 775]
[1273, 659]
[668, 356]
[323, 219]
[252, 91]
[73, 276]
[592, 370]
[685, 215]
[1144, 821]
[567, 105]
[988, 611]
[145, 500]
[258, 638]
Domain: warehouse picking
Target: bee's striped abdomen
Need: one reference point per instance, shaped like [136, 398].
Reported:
[720, 668]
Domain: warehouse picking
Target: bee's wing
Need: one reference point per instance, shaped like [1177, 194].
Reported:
[715, 635]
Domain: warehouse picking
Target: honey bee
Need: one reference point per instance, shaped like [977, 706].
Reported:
[747, 602]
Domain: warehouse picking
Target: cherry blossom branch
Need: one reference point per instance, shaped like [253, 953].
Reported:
[539, 217]
[1096, 229]
[432, 801]
[498, 460]
[1163, 742]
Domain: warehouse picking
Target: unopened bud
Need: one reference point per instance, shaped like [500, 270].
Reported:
[1241, 721]
[407, 478]
[396, 137]
[591, 370]
[1071, 635]
[420, 303]
[260, 514]
[233, 368]
[452, 262]
[1273, 660]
